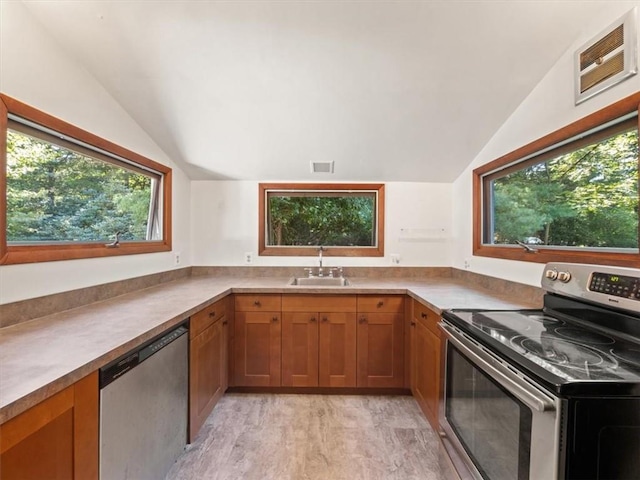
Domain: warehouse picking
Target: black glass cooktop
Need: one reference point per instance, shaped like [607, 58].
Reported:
[565, 355]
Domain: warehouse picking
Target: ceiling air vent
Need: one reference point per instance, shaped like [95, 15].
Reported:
[322, 167]
[607, 59]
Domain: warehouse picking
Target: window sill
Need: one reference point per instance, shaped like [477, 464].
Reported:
[327, 251]
[546, 255]
[51, 253]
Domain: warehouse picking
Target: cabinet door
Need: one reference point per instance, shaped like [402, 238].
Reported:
[428, 382]
[337, 350]
[426, 366]
[299, 349]
[422, 369]
[413, 352]
[416, 310]
[205, 375]
[257, 349]
[224, 355]
[56, 439]
[380, 350]
[231, 341]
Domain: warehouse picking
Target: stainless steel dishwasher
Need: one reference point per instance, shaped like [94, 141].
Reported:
[143, 409]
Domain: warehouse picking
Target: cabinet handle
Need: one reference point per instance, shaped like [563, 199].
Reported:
[312, 319]
[225, 322]
[274, 319]
[212, 314]
[413, 324]
[380, 303]
[325, 319]
[423, 315]
[257, 303]
[363, 320]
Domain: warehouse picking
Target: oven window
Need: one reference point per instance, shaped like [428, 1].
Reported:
[492, 425]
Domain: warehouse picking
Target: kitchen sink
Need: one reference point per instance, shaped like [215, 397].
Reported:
[319, 281]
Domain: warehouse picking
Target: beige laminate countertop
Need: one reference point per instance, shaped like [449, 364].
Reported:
[43, 356]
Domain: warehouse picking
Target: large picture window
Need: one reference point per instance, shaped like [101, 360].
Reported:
[571, 196]
[296, 219]
[68, 194]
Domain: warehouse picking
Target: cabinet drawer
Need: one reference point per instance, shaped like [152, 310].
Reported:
[207, 317]
[426, 316]
[319, 303]
[381, 303]
[62, 432]
[258, 303]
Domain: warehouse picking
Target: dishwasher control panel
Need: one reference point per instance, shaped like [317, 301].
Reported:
[162, 342]
[122, 365]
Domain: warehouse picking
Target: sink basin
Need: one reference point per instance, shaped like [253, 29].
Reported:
[319, 281]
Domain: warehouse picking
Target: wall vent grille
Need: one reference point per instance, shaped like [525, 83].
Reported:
[607, 59]
[322, 167]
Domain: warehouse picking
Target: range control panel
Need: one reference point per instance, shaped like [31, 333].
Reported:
[613, 284]
[617, 287]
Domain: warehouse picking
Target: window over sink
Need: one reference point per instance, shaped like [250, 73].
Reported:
[345, 219]
[570, 196]
[70, 194]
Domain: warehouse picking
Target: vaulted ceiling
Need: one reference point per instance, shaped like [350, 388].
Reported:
[256, 90]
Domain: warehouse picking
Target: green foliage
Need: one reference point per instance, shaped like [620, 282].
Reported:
[334, 221]
[586, 198]
[55, 194]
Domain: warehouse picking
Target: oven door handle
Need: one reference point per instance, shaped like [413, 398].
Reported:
[525, 392]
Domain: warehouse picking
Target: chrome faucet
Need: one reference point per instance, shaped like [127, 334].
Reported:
[320, 258]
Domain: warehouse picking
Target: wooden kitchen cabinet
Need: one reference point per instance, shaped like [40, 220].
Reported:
[257, 340]
[258, 303]
[319, 340]
[56, 439]
[225, 352]
[380, 341]
[425, 362]
[380, 304]
[208, 363]
[338, 343]
[299, 349]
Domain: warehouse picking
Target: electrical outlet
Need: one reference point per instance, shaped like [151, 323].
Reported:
[176, 258]
[248, 257]
[395, 258]
[467, 264]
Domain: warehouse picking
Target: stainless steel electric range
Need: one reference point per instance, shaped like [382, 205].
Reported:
[552, 393]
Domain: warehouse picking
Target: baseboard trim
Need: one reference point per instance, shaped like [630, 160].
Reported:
[322, 390]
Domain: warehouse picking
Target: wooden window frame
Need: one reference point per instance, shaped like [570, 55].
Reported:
[618, 109]
[266, 250]
[18, 254]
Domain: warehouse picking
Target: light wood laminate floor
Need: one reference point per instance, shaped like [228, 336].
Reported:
[333, 437]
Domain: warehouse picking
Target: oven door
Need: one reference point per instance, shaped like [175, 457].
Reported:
[497, 423]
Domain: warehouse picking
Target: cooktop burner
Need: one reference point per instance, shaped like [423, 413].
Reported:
[631, 356]
[565, 353]
[581, 335]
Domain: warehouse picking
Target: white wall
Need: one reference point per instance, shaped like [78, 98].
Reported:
[36, 71]
[549, 107]
[215, 223]
[225, 226]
